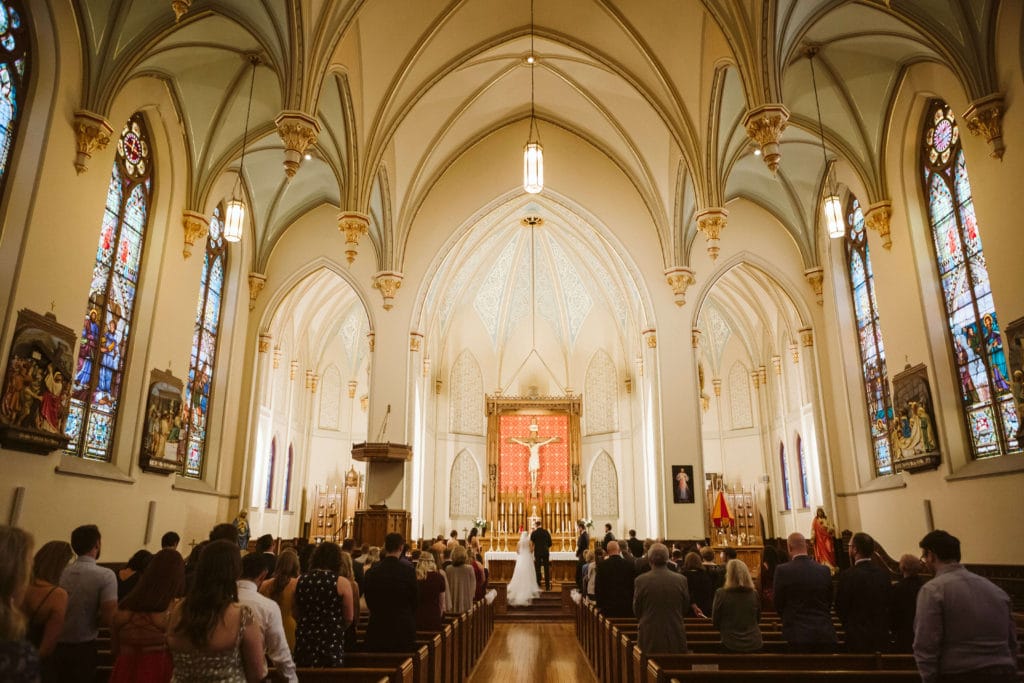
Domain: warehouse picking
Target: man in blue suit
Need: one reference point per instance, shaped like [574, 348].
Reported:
[803, 598]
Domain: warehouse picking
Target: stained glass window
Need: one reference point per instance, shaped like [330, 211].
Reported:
[204, 349]
[869, 336]
[805, 482]
[14, 55]
[96, 391]
[271, 461]
[977, 344]
[287, 505]
[787, 498]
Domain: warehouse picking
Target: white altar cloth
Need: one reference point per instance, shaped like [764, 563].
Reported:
[509, 555]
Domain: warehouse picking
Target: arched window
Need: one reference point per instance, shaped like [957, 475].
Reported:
[869, 336]
[805, 482]
[96, 391]
[14, 55]
[204, 347]
[973, 325]
[287, 505]
[271, 461]
[787, 497]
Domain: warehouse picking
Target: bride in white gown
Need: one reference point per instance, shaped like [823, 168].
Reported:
[523, 588]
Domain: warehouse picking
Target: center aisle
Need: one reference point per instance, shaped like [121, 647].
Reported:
[532, 652]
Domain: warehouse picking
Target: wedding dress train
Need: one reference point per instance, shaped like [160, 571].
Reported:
[523, 588]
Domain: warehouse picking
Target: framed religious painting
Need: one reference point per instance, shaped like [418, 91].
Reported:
[36, 392]
[912, 433]
[164, 426]
[682, 484]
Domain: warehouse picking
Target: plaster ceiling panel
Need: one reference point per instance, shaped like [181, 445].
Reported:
[332, 136]
[266, 19]
[945, 14]
[749, 178]
[792, 15]
[263, 176]
[95, 15]
[732, 108]
[139, 19]
[266, 105]
[853, 20]
[836, 113]
[212, 31]
[312, 186]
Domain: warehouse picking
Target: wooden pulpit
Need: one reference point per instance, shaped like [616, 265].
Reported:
[374, 524]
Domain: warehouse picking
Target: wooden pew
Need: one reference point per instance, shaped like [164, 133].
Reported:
[799, 676]
[345, 675]
[419, 660]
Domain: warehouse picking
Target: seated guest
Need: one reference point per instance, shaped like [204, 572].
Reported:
[736, 610]
[19, 662]
[803, 598]
[714, 570]
[391, 599]
[699, 582]
[904, 604]
[613, 588]
[138, 636]
[210, 635]
[130, 574]
[431, 584]
[461, 582]
[281, 589]
[660, 602]
[862, 599]
[45, 602]
[170, 541]
[267, 614]
[323, 609]
[348, 573]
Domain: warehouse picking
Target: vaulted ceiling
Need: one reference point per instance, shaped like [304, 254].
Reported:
[401, 88]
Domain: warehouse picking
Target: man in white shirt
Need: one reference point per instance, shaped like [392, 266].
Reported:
[267, 612]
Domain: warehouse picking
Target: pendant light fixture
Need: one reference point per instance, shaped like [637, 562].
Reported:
[234, 212]
[831, 206]
[533, 153]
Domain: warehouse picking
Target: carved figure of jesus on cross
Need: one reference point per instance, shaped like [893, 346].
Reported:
[534, 442]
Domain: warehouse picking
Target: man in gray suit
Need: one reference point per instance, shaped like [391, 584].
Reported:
[803, 598]
[660, 601]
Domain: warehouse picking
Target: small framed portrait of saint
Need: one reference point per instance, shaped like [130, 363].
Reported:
[682, 483]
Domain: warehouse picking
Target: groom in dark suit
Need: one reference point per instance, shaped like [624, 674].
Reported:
[540, 543]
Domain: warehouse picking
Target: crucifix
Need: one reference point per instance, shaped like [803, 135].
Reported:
[534, 442]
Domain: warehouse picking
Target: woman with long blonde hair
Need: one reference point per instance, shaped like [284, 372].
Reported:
[281, 589]
[737, 609]
[19, 662]
[46, 602]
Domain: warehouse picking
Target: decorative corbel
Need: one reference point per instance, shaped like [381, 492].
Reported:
[806, 337]
[353, 384]
[794, 350]
[985, 117]
[651, 336]
[415, 340]
[180, 7]
[762, 373]
[371, 339]
[679, 278]
[816, 276]
[695, 337]
[353, 225]
[264, 342]
[257, 281]
[197, 226]
[293, 369]
[877, 218]
[711, 222]
[298, 131]
[364, 402]
[438, 386]
[426, 366]
[755, 377]
[314, 380]
[777, 365]
[716, 385]
[92, 133]
[764, 126]
[388, 282]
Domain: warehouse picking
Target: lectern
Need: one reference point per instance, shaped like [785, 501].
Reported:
[385, 464]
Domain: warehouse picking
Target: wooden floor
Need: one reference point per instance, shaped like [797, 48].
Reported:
[533, 652]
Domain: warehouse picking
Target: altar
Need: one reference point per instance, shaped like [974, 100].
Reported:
[500, 564]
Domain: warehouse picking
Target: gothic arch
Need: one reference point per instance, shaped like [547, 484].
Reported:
[600, 395]
[330, 399]
[464, 487]
[466, 407]
[604, 488]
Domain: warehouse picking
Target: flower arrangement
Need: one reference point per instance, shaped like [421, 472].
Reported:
[480, 523]
[587, 522]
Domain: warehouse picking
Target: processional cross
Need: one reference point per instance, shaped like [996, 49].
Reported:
[534, 442]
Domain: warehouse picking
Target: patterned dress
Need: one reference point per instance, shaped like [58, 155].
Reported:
[19, 662]
[320, 628]
[225, 666]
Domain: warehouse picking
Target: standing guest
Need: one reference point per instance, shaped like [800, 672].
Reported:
[19, 662]
[392, 600]
[461, 582]
[597, 556]
[431, 584]
[636, 546]
[660, 602]
[862, 599]
[768, 564]
[264, 544]
[473, 543]
[736, 610]
[226, 531]
[582, 545]
[281, 589]
[372, 558]
[614, 583]
[92, 602]
[192, 563]
[676, 563]
[45, 603]
[702, 592]
[323, 609]
[170, 541]
[480, 574]
[348, 573]
[349, 546]
[608, 536]
[904, 604]
[267, 614]
[306, 557]
[129, 575]
[139, 631]
[964, 629]
[211, 637]
[714, 570]
[643, 563]
[540, 543]
[803, 597]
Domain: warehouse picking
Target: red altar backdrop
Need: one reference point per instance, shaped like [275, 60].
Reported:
[514, 458]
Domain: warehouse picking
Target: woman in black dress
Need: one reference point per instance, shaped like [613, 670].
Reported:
[323, 609]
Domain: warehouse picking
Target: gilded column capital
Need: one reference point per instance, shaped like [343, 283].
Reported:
[277, 356]
[695, 337]
[877, 218]
[371, 340]
[651, 337]
[197, 226]
[415, 341]
[816, 277]
[388, 282]
[806, 337]
[764, 126]
[985, 117]
[795, 351]
[180, 7]
[777, 364]
[92, 133]
[353, 384]
[679, 278]
[257, 281]
[293, 369]
[716, 385]
[711, 222]
[298, 131]
[353, 225]
[264, 342]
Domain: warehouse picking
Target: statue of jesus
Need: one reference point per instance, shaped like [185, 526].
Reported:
[534, 442]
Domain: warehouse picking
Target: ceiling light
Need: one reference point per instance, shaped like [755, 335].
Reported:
[533, 153]
[757, 152]
[234, 218]
[831, 206]
[307, 156]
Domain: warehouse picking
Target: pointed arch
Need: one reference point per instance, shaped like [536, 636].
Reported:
[464, 485]
[604, 488]
[330, 399]
[15, 70]
[740, 406]
[466, 409]
[600, 395]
